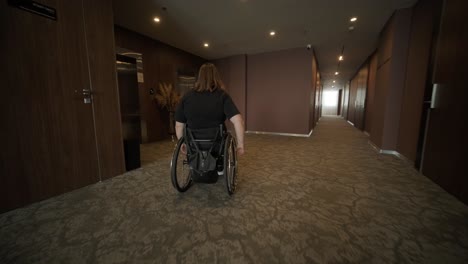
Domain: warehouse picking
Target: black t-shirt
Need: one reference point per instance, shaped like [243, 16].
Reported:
[205, 109]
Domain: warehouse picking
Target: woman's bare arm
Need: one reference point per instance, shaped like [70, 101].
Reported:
[239, 128]
[179, 128]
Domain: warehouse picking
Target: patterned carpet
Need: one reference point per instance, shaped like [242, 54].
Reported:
[329, 198]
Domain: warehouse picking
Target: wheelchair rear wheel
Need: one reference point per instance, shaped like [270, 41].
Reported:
[230, 164]
[180, 171]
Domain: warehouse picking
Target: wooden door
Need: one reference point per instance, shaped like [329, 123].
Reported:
[446, 143]
[48, 138]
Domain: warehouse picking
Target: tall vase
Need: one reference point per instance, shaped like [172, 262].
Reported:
[172, 124]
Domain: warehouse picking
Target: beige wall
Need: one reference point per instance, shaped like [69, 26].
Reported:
[275, 91]
[233, 71]
[279, 87]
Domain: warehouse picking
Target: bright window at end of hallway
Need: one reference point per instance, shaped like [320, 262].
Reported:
[330, 98]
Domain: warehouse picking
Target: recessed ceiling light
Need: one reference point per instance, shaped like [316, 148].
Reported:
[340, 58]
[272, 33]
[353, 19]
[336, 73]
[206, 45]
[333, 86]
[334, 81]
[157, 19]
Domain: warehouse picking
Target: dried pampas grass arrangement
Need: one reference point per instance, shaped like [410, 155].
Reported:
[167, 97]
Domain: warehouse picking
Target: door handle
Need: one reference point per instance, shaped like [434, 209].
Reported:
[87, 92]
[87, 95]
[435, 89]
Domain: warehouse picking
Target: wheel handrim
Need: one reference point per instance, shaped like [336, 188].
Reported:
[231, 169]
[182, 171]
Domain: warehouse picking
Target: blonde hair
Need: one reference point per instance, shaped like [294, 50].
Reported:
[208, 79]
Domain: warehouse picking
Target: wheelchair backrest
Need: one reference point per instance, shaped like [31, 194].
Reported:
[204, 138]
[204, 146]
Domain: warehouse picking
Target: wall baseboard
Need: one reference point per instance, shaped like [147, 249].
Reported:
[279, 134]
[374, 146]
[391, 152]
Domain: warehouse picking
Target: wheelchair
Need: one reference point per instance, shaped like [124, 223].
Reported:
[207, 152]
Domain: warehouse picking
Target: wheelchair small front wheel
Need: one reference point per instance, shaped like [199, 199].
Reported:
[230, 164]
[180, 171]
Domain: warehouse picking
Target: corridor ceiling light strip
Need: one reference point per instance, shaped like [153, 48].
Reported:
[272, 33]
[206, 45]
[353, 19]
[340, 58]
[157, 19]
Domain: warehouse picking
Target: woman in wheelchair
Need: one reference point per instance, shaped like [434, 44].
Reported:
[205, 149]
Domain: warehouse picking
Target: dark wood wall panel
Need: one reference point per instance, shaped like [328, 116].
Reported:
[357, 109]
[357, 97]
[340, 101]
[352, 100]
[49, 144]
[422, 28]
[385, 44]
[319, 105]
[313, 87]
[315, 93]
[398, 76]
[444, 158]
[378, 115]
[370, 93]
[346, 101]
[99, 26]
[382, 82]
[160, 64]
[362, 77]
[390, 80]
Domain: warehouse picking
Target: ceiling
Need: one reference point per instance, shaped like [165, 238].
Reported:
[233, 27]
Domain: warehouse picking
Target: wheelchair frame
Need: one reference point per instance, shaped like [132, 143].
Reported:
[181, 173]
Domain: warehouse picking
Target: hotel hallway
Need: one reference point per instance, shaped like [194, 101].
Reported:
[329, 198]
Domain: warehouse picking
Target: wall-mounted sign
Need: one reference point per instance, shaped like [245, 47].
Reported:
[35, 7]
